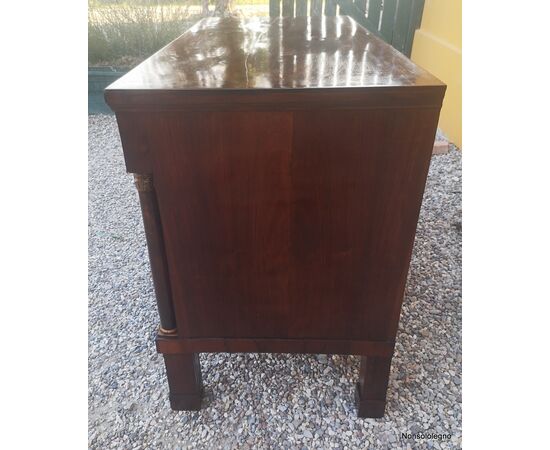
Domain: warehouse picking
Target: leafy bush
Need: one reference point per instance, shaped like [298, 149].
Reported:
[123, 34]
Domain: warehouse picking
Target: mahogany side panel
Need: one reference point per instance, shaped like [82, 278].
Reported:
[224, 194]
[289, 224]
[358, 181]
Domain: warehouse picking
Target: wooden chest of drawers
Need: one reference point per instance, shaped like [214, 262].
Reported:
[280, 165]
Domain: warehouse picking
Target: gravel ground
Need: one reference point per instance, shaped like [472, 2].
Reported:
[255, 401]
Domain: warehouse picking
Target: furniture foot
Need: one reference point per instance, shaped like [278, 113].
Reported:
[370, 395]
[185, 381]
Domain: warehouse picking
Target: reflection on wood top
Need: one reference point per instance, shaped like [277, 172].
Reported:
[280, 53]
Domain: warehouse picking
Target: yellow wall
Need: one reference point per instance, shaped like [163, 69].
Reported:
[437, 47]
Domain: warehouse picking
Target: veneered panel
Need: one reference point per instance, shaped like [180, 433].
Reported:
[357, 184]
[290, 224]
[224, 195]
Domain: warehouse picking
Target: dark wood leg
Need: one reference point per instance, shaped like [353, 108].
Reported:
[370, 396]
[185, 381]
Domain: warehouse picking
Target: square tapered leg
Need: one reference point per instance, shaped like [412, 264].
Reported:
[370, 395]
[185, 381]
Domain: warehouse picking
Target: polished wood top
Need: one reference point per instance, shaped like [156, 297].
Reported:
[275, 53]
